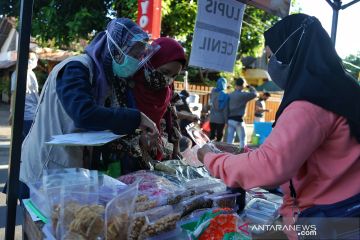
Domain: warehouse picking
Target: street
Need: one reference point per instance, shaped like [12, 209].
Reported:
[5, 136]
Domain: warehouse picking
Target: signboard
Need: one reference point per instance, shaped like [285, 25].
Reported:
[217, 34]
[149, 17]
[279, 8]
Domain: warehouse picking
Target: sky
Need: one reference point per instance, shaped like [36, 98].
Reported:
[348, 30]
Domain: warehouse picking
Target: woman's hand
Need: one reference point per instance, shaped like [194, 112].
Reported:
[202, 151]
[147, 125]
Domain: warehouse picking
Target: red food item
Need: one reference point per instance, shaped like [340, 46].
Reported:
[219, 226]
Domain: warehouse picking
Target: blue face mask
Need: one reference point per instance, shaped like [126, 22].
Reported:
[127, 68]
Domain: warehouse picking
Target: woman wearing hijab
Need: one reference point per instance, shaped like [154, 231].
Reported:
[153, 85]
[74, 96]
[218, 109]
[313, 151]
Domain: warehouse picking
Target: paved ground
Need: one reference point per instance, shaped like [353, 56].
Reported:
[5, 136]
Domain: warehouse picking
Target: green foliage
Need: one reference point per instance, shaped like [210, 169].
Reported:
[59, 23]
[127, 8]
[353, 60]
[255, 23]
[235, 74]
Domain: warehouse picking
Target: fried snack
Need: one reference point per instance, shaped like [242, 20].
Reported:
[88, 221]
[73, 236]
[164, 224]
[146, 206]
[142, 198]
[55, 215]
[117, 227]
[135, 227]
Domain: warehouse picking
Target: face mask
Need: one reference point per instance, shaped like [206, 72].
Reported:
[129, 65]
[156, 80]
[127, 68]
[278, 71]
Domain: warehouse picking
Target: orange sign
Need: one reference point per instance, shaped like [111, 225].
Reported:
[149, 17]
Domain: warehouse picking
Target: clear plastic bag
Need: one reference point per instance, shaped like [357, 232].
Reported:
[190, 157]
[119, 216]
[191, 204]
[181, 170]
[216, 223]
[224, 200]
[81, 214]
[45, 193]
[158, 220]
[154, 189]
[209, 185]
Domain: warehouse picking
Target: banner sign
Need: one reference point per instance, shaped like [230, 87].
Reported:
[217, 34]
[149, 17]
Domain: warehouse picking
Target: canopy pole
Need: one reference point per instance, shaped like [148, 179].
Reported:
[336, 6]
[18, 119]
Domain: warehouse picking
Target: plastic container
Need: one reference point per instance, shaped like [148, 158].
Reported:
[263, 129]
[224, 201]
[260, 211]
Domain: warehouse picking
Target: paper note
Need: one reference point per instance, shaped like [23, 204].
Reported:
[84, 138]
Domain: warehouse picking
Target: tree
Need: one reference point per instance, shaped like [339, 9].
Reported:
[352, 64]
[62, 22]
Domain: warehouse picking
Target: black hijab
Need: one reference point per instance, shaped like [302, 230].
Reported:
[316, 72]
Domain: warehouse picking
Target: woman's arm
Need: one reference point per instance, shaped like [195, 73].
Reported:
[299, 131]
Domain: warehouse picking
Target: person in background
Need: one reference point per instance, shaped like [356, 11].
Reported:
[184, 113]
[313, 151]
[88, 93]
[31, 97]
[237, 105]
[218, 109]
[260, 107]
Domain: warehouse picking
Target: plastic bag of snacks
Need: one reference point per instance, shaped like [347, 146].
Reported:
[45, 193]
[154, 189]
[209, 185]
[79, 215]
[181, 170]
[119, 216]
[217, 224]
[157, 221]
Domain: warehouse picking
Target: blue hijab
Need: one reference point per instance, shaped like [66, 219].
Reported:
[220, 88]
[98, 51]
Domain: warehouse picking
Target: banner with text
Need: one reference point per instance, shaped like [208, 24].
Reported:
[217, 34]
